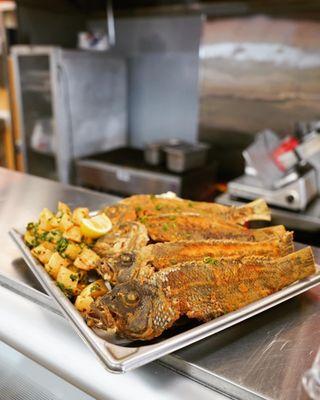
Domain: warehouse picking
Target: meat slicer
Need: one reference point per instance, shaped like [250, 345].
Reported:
[286, 173]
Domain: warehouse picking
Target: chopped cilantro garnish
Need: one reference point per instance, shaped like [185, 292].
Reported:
[143, 219]
[158, 207]
[62, 244]
[30, 226]
[94, 287]
[74, 277]
[165, 227]
[138, 209]
[210, 260]
[67, 291]
[43, 236]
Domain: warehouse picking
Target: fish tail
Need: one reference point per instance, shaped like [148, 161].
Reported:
[258, 210]
[287, 244]
[299, 264]
[277, 232]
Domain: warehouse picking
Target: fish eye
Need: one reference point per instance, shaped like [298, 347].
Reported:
[131, 298]
[125, 260]
[126, 257]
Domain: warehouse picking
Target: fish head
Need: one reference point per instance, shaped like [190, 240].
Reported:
[118, 268]
[140, 310]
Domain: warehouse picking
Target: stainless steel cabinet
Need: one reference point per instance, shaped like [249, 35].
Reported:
[71, 103]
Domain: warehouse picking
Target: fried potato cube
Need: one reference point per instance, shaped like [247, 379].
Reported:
[55, 263]
[63, 208]
[45, 220]
[53, 236]
[67, 280]
[49, 245]
[89, 294]
[42, 253]
[83, 304]
[80, 213]
[87, 260]
[29, 238]
[74, 233]
[65, 222]
[72, 251]
[95, 289]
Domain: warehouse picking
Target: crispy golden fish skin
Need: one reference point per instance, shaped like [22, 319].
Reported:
[148, 205]
[143, 310]
[179, 227]
[129, 265]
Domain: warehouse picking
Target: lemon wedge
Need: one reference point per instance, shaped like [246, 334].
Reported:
[96, 226]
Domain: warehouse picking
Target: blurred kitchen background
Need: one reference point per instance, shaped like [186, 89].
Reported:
[150, 96]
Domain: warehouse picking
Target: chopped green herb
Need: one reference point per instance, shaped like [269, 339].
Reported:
[165, 227]
[158, 207]
[74, 277]
[62, 244]
[94, 287]
[30, 226]
[143, 219]
[138, 209]
[210, 260]
[43, 236]
[67, 291]
[35, 242]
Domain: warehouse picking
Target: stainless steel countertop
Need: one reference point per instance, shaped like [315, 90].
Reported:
[48, 338]
[262, 358]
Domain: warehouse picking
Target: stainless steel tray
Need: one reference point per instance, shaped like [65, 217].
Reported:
[121, 358]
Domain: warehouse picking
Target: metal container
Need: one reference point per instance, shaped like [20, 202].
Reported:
[186, 156]
[153, 152]
[119, 357]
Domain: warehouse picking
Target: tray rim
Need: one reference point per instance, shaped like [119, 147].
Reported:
[119, 359]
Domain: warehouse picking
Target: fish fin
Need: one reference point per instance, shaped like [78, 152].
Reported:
[260, 210]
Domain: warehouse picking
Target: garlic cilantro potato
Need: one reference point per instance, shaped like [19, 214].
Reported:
[61, 242]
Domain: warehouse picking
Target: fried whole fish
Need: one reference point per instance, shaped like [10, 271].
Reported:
[126, 236]
[148, 205]
[143, 310]
[178, 227]
[128, 265]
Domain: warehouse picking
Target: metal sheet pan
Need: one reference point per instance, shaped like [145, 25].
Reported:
[122, 358]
